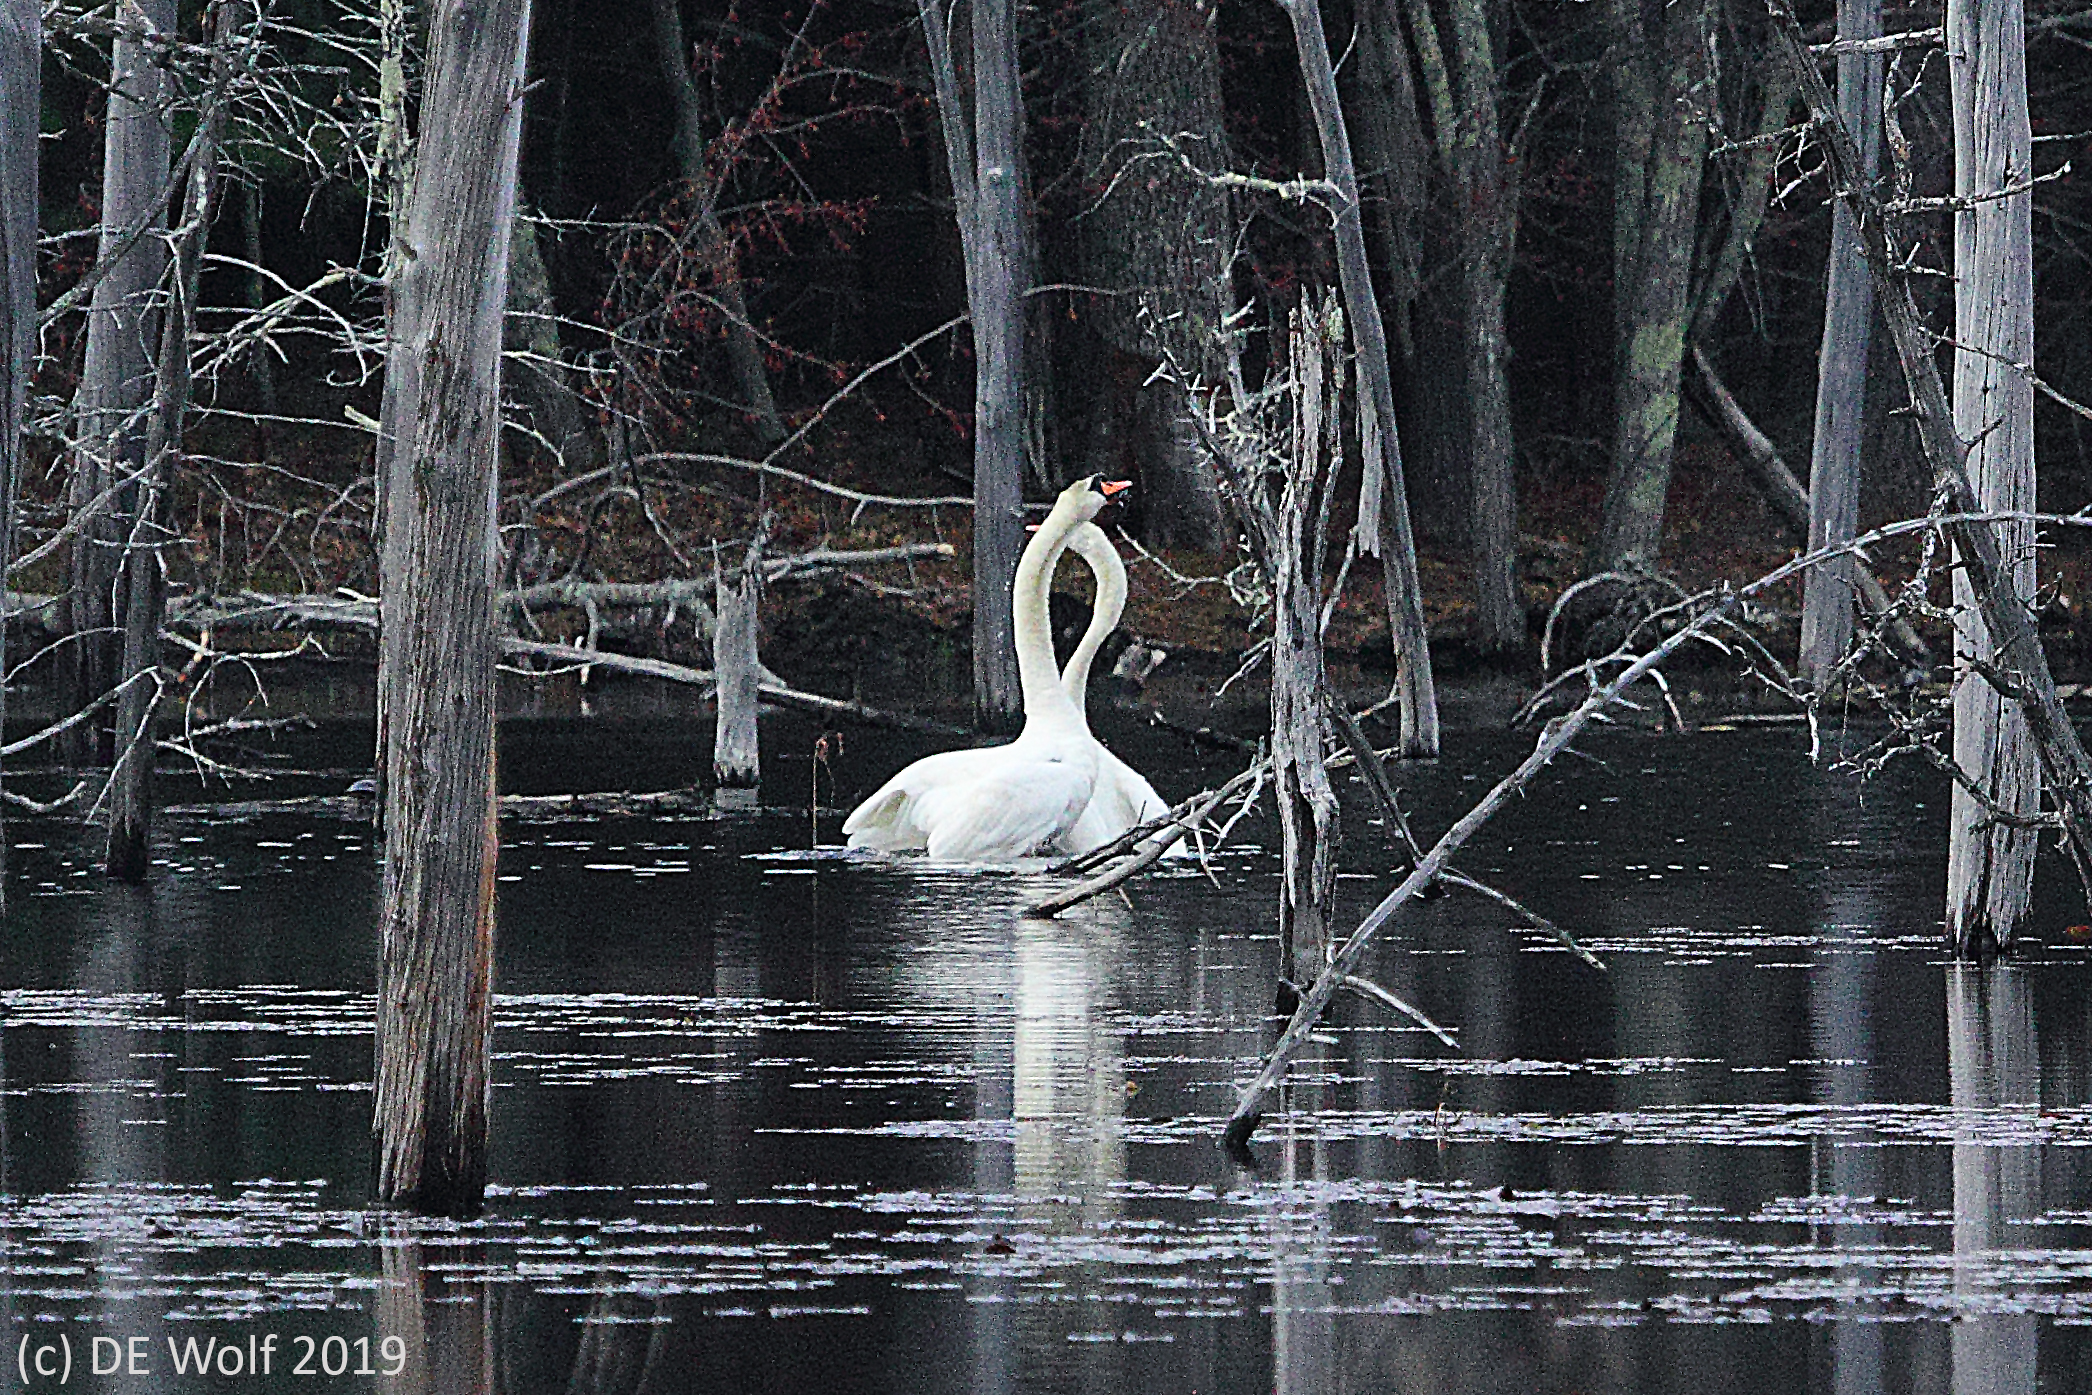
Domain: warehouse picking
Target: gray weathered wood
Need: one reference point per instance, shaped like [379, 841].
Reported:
[2019, 668]
[1383, 493]
[1841, 368]
[21, 79]
[140, 591]
[1790, 500]
[1308, 814]
[438, 454]
[1990, 865]
[996, 295]
[116, 377]
[736, 759]
[1556, 738]
[981, 155]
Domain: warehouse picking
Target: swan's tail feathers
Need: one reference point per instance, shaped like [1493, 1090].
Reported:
[882, 824]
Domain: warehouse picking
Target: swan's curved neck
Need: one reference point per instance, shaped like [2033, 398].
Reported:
[1038, 678]
[1090, 543]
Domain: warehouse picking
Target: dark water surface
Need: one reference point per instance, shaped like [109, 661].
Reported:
[775, 1120]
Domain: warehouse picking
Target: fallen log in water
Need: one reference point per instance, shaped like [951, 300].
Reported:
[1343, 966]
[775, 694]
[358, 807]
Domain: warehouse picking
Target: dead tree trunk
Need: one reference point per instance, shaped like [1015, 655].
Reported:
[437, 648]
[1307, 803]
[535, 372]
[2019, 668]
[1784, 492]
[116, 378]
[1661, 141]
[140, 590]
[1841, 369]
[1383, 495]
[1157, 237]
[1280, 451]
[981, 153]
[997, 296]
[744, 348]
[1990, 865]
[736, 761]
[21, 80]
[1463, 94]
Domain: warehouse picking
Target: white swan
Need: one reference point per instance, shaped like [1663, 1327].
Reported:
[997, 803]
[1123, 798]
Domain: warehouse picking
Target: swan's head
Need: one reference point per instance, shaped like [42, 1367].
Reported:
[1085, 498]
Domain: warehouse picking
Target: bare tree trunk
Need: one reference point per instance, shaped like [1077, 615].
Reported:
[1661, 142]
[21, 82]
[743, 347]
[262, 365]
[438, 455]
[1307, 803]
[1841, 369]
[1383, 494]
[535, 373]
[981, 153]
[1788, 499]
[1391, 141]
[736, 757]
[2020, 668]
[996, 294]
[1463, 97]
[140, 587]
[1990, 866]
[1157, 238]
[116, 379]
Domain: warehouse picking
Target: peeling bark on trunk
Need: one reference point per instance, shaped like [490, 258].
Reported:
[140, 591]
[1307, 803]
[21, 78]
[1383, 494]
[1990, 867]
[736, 759]
[1660, 145]
[744, 347]
[1841, 369]
[116, 379]
[1157, 239]
[438, 454]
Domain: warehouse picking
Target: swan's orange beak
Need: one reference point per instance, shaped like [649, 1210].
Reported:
[1113, 487]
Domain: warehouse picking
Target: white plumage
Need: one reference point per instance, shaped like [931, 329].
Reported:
[999, 803]
[1122, 798]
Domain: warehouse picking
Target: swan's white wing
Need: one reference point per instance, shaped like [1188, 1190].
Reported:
[890, 821]
[1009, 809]
[1123, 799]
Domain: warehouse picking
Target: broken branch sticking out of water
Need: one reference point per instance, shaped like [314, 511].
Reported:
[1554, 739]
[1148, 842]
[1368, 761]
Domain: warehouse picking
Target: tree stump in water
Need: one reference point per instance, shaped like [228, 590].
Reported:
[437, 466]
[736, 762]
